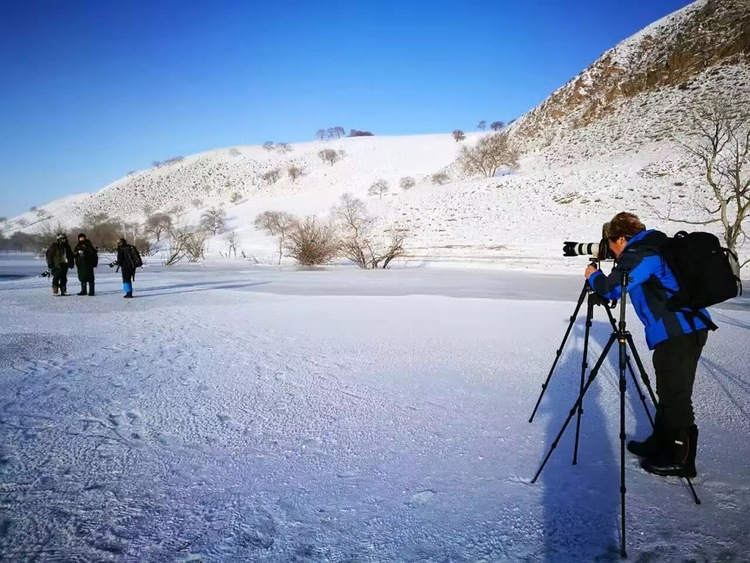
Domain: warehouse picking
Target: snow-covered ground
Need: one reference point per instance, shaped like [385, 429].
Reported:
[232, 413]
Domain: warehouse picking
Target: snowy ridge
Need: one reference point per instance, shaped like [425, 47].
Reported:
[604, 142]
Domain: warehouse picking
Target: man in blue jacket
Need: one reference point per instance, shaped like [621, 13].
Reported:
[676, 338]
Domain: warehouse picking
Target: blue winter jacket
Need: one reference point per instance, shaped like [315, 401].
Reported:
[649, 280]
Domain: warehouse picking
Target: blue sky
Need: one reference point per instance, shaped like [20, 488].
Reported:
[92, 89]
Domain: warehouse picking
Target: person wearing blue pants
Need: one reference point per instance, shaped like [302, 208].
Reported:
[125, 263]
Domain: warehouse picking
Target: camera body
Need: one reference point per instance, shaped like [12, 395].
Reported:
[599, 250]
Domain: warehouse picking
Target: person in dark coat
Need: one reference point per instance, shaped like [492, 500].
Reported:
[127, 267]
[59, 260]
[86, 259]
[676, 338]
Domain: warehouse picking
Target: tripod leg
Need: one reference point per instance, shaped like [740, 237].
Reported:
[642, 370]
[590, 380]
[692, 490]
[581, 298]
[584, 366]
[623, 361]
[644, 375]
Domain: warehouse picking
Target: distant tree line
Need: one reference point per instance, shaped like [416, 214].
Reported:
[338, 132]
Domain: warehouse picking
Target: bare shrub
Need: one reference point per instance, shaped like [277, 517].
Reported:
[458, 135]
[197, 203]
[231, 239]
[358, 133]
[358, 241]
[235, 198]
[440, 178]
[186, 241]
[272, 176]
[330, 156]
[234, 152]
[295, 172]
[378, 188]
[407, 183]
[214, 220]
[284, 148]
[277, 224]
[491, 153]
[311, 242]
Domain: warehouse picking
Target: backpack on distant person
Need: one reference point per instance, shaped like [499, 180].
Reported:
[706, 272]
[133, 256]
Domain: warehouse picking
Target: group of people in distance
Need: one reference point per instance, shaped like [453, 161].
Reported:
[85, 257]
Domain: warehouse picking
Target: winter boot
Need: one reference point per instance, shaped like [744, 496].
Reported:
[63, 290]
[91, 288]
[128, 288]
[677, 459]
[55, 290]
[128, 295]
[83, 289]
[651, 445]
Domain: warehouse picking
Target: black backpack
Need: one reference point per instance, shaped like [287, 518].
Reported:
[706, 272]
[133, 256]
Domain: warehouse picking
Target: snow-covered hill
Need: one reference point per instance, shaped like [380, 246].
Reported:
[603, 143]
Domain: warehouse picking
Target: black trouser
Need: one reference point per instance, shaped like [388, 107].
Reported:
[675, 364]
[85, 274]
[60, 278]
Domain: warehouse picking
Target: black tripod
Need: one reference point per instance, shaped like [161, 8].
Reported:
[624, 338]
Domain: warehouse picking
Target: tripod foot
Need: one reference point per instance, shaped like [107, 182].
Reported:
[692, 490]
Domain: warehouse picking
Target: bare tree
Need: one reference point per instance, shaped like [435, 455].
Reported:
[482, 125]
[295, 172]
[335, 132]
[330, 156]
[407, 183]
[269, 146]
[491, 153]
[232, 243]
[277, 224]
[720, 144]
[186, 241]
[272, 176]
[358, 240]
[311, 242]
[158, 224]
[378, 188]
[497, 125]
[321, 134]
[458, 135]
[440, 178]
[214, 220]
[234, 152]
[284, 148]
[23, 222]
[104, 231]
